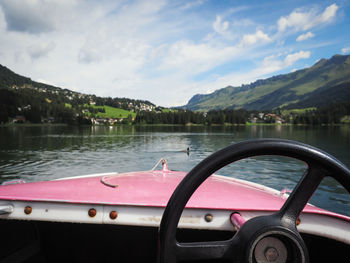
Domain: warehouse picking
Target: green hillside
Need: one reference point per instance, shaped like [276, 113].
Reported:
[112, 112]
[34, 102]
[294, 88]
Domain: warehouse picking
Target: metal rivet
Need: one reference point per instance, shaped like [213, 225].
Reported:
[208, 217]
[27, 210]
[113, 215]
[92, 212]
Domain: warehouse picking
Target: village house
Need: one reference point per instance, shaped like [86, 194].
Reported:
[276, 118]
[19, 119]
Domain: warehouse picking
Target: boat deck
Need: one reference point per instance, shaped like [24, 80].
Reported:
[152, 189]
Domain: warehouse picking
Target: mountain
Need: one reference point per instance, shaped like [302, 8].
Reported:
[37, 102]
[17, 83]
[326, 81]
[8, 79]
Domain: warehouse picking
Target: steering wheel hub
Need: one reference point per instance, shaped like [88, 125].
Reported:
[270, 249]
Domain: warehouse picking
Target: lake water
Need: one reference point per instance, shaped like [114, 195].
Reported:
[50, 152]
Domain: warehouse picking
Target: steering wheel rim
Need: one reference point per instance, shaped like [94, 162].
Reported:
[281, 224]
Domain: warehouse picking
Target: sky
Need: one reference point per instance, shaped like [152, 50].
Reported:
[167, 51]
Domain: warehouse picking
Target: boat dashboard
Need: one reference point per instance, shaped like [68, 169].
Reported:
[44, 241]
[167, 216]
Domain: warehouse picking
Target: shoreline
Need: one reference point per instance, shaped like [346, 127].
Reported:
[33, 124]
[169, 125]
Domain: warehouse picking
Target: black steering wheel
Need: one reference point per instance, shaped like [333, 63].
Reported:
[272, 238]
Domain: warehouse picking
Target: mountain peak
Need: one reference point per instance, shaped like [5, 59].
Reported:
[337, 59]
[320, 62]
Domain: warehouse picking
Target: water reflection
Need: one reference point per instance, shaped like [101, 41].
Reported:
[49, 152]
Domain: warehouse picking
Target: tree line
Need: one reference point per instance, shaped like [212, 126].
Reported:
[38, 107]
[187, 116]
[332, 114]
[60, 107]
[33, 107]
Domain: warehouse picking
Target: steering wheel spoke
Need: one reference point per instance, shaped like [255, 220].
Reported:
[302, 192]
[204, 250]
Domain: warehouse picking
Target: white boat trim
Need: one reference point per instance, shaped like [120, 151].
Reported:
[85, 176]
[321, 225]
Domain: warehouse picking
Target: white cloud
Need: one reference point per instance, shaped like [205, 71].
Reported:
[2, 20]
[242, 23]
[305, 36]
[292, 58]
[191, 4]
[345, 50]
[220, 26]
[95, 54]
[89, 55]
[299, 20]
[327, 15]
[40, 50]
[35, 16]
[271, 64]
[296, 20]
[192, 58]
[258, 37]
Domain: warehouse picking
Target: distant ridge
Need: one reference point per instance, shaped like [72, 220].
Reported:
[327, 81]
[24, 100]
[10, 80]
